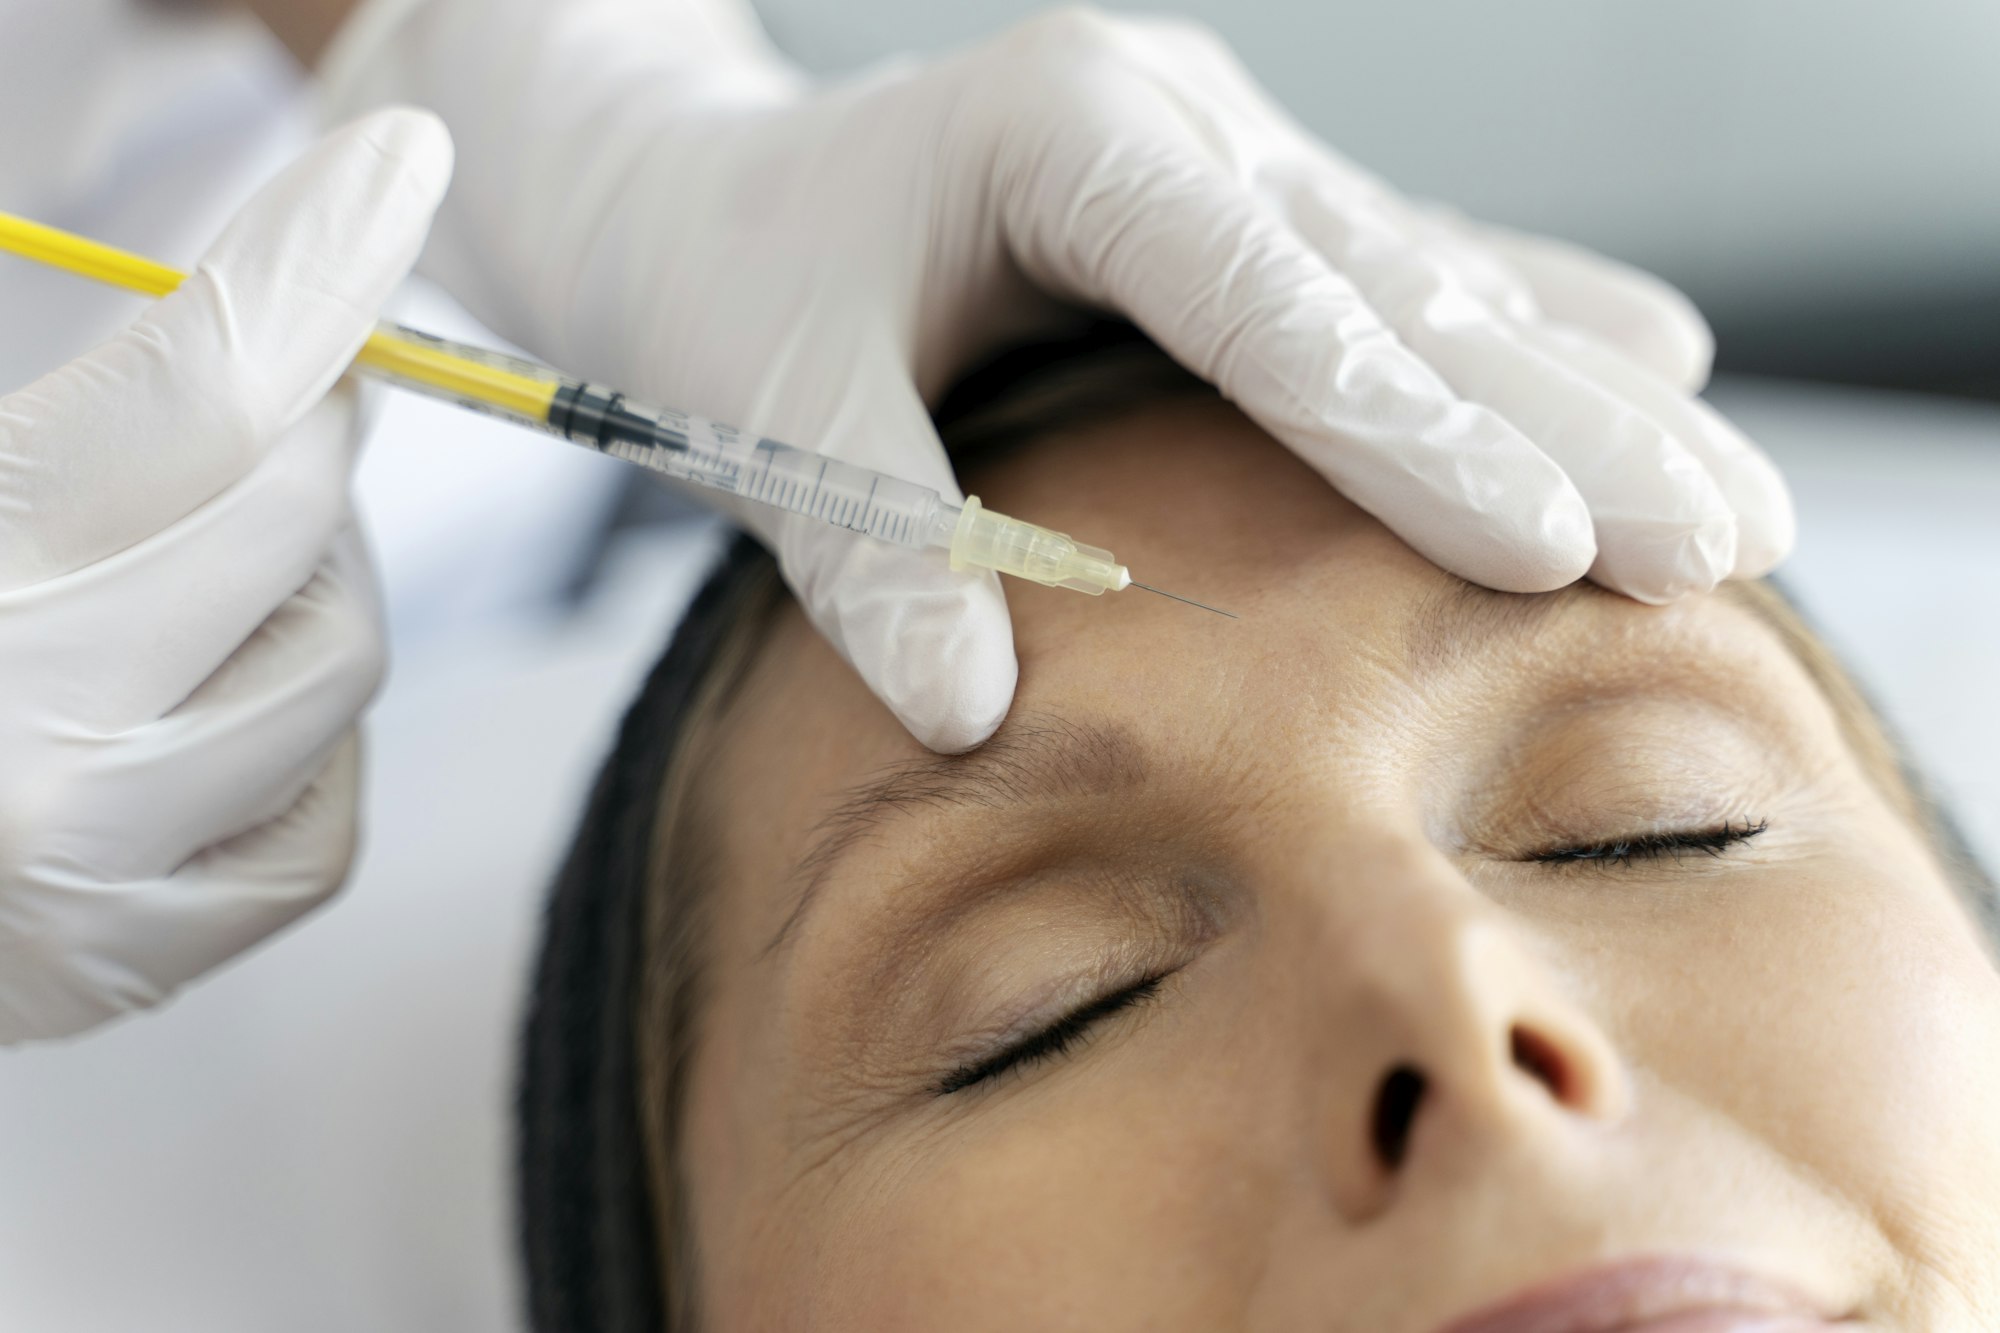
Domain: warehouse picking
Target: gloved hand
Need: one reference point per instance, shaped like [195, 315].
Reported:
[188, 624]
[649, 197]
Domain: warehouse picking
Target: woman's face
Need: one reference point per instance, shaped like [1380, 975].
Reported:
[1352, 965]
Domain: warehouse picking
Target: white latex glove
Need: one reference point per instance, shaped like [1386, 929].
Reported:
[188, 623]
[647, 196]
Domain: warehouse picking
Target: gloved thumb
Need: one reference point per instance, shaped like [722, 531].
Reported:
[126, 440]
[936, 646]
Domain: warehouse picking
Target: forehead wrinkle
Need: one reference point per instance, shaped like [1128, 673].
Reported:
[1457, 620]
[1037, 757]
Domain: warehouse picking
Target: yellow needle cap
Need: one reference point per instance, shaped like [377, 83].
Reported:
[995, 541]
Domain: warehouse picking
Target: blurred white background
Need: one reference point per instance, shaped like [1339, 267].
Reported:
[317, 1139]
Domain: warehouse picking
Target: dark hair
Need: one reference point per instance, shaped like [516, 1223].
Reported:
[587, 1229]
[620, 958]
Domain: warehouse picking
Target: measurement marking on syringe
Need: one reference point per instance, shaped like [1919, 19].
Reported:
[868, 505]
[812, 504]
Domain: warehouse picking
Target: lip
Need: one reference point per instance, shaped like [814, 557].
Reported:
[1656, 1295]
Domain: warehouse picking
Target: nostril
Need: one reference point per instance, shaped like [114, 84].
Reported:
[1396, 1106]
[1538, 1057]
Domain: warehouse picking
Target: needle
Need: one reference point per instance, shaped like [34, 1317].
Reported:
[1189, 600]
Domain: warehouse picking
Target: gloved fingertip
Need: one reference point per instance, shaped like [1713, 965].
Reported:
[1763, 549]
[965, 725]
[1515, 546]
[1660, 563]
[962, 687]
[936, 647]
[1563, 548]
[1675, 344]
[1767, 525]
[1662, 330]
[416, 139]
[1650, 321]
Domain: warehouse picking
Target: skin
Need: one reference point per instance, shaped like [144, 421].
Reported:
[1316, 819]
[304, 26]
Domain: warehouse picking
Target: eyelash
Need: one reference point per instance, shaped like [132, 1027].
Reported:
[1655, 846]
[1052, 1042]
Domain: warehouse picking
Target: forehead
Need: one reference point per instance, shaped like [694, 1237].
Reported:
[1342, 632]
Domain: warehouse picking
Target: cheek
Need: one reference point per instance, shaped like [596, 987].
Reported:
[1052, 1211]
[1849, 1021]
[1911, 1055]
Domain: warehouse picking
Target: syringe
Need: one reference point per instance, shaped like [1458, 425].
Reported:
[675, 444]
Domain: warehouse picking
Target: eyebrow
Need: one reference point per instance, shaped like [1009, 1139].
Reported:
[1037, 758]
[1460, 620]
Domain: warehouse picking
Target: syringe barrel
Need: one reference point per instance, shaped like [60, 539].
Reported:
[675, 444]
[470, 377]
[721, 458]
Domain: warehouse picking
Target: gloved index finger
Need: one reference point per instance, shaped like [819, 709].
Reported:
[132, 436]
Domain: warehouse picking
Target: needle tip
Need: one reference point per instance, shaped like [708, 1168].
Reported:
[1178, 598]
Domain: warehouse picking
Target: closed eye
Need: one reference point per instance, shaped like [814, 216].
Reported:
[1655, 846]
[1057, 1039]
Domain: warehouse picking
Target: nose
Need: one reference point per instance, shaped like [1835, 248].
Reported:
[1448, 1040]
